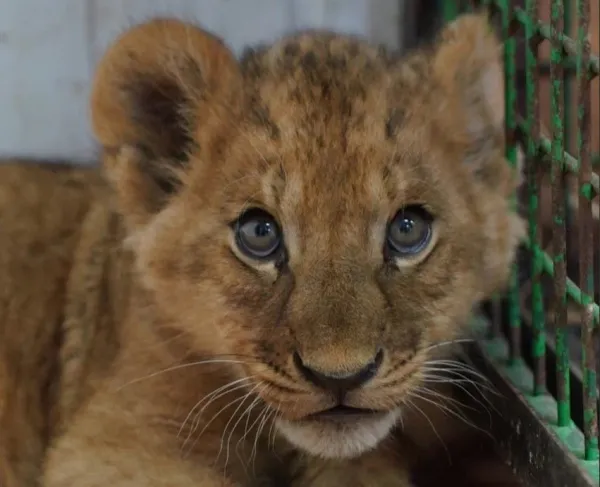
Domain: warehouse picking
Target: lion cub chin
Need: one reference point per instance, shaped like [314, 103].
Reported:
[340, 437]
[308, 227]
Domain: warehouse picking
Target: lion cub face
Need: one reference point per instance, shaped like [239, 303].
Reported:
[320, 213]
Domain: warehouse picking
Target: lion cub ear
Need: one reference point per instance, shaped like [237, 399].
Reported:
[467, 66]
[163, 92]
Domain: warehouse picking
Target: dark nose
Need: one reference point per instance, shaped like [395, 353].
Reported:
[339, 384]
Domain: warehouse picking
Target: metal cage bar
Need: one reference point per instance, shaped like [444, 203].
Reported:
[534, 175]
[559, 244]
[510, 80]
[586, 234]
[548, 428]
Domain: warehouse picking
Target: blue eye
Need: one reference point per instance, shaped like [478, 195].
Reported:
[409, 232]
[257, 234]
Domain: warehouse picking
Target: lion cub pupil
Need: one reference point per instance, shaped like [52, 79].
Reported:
[410, 231]
[257, 234]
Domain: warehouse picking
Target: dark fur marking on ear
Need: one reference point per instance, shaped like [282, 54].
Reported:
[159, 105]
[167, 183]
[156, 106]
[163, 176]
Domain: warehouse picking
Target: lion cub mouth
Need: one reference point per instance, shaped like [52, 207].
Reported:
[343, 413]
[340, 431]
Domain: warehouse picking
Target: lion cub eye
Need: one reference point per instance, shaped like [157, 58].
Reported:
[409, 232]
[257, 234]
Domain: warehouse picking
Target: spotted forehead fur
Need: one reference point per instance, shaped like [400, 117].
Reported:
[311, 81]
[326, 97]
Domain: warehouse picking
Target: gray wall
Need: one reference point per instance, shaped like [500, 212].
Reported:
[48, 50]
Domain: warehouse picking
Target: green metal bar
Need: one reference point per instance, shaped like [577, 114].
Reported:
[573, 290]
[558, 211]
[519, 376]
[554, 154]
[567, 80]
[570, 164]
[568, 97]
[570, 66]
[510, 69]
[586, 237]
[537, 300]
[569, 45]
[449, 8]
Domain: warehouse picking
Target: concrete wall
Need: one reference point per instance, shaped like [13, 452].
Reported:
[48, 50]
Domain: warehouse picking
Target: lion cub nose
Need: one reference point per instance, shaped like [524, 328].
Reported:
[336, 383]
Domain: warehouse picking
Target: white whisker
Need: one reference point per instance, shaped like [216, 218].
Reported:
[447, 343]
[458, 378]
[198, 415]
[208, 397]
[443, 397]
[433, 379]
[215, 416]
[414, 406]
[240, 405]
[267, 414]
[447, 410]
[249, 428]
[179, 367]
[272, 430]
[458, 366]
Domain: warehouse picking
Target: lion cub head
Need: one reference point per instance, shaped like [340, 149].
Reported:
[320, 212]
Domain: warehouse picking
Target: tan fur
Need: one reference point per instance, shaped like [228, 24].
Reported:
[53, 244]
[157, 309]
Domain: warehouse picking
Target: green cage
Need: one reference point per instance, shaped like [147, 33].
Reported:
[538, 344]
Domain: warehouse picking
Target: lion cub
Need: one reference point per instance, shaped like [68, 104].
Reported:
[305, 225]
